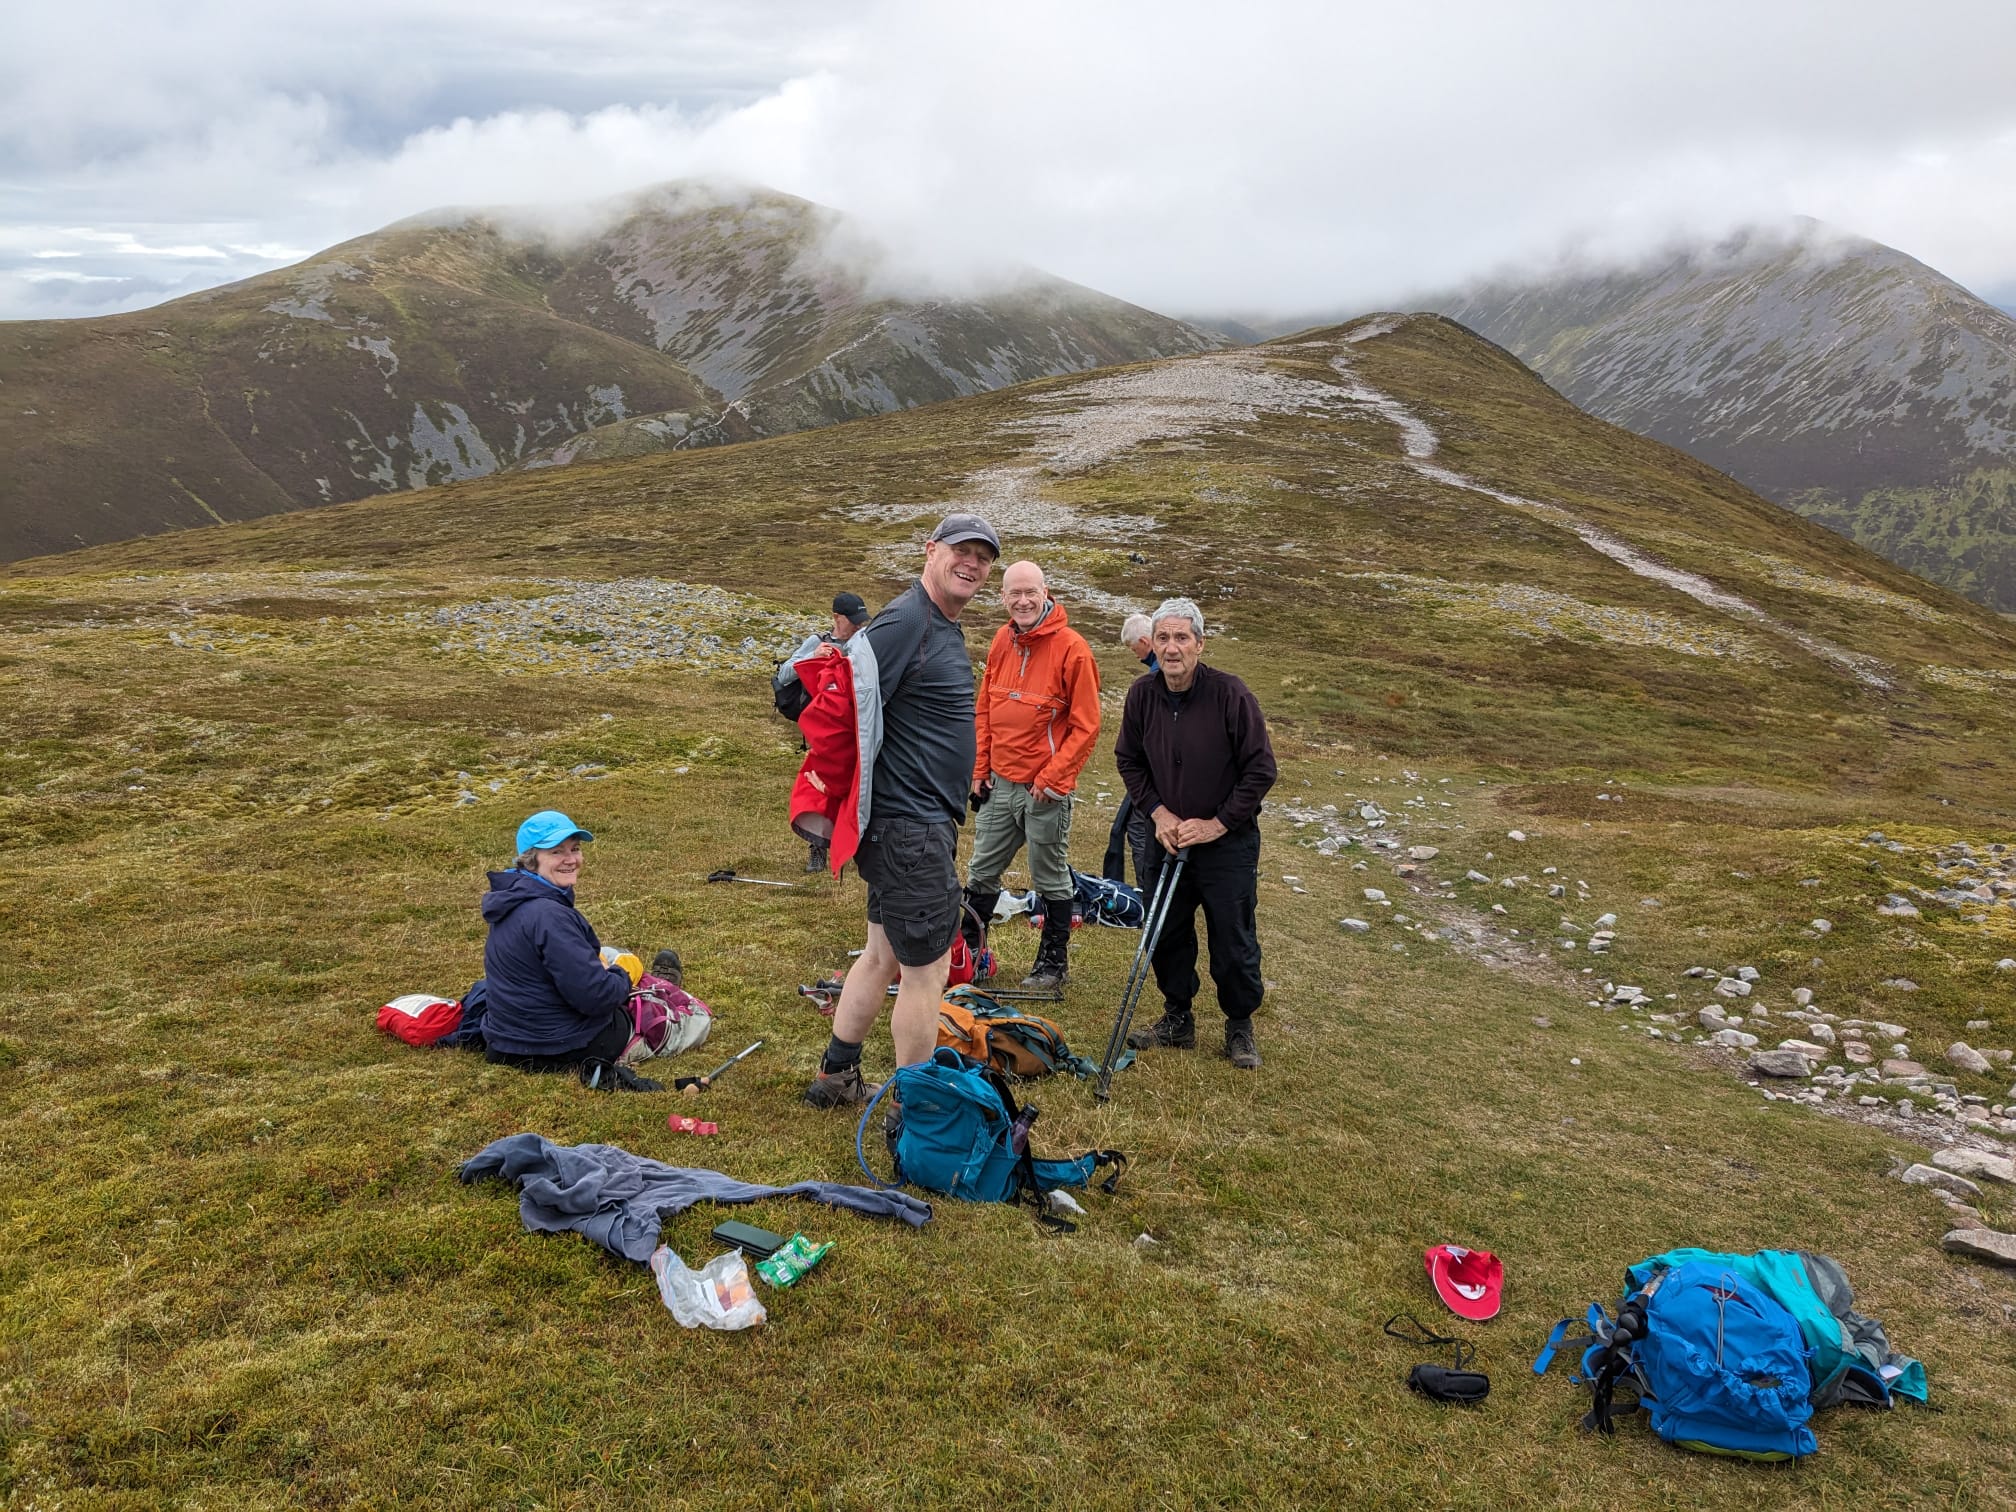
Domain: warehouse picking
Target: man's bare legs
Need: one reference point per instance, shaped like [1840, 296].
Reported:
[913, 1025]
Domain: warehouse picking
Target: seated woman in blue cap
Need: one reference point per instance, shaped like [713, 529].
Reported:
[553, 1005]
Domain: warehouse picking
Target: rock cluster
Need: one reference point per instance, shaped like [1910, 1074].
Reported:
[1975, 881]
[622, 625]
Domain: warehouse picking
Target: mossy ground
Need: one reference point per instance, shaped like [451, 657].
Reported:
[239, 1269]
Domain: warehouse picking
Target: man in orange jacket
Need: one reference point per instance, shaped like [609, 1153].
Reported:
[1036, 718]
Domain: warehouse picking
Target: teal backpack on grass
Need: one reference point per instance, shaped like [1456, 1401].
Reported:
[1718, 1364]
[959, 1132]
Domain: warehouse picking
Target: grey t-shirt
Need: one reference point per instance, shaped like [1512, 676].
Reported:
[925, 769]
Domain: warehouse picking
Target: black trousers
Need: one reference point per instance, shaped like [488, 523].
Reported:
[610, 1043]
[1132, 831]
[1222, 878]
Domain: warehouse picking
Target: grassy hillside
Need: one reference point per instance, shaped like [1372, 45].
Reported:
[461, 342]
[254, 774]
[1830, 373]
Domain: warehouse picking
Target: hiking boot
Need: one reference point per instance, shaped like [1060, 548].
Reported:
[817, 858]
[1053, 953]
[1175, 1030]
[666, 964]
[1239, 1044]
[839, 1089]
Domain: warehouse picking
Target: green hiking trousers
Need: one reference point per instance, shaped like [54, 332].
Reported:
[1008, 819]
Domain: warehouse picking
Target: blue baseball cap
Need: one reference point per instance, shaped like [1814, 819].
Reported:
[546, 829]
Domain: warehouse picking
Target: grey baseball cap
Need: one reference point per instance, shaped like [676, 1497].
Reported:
[966, 527]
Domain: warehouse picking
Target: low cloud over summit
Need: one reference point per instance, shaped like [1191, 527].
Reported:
[1273, 157]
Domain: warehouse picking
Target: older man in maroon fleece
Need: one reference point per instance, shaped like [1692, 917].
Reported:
[1194, 754]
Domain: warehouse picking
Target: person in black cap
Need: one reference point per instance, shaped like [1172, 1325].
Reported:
[918, 771]
[850, 613]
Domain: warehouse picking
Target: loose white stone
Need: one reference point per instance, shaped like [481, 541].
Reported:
[1976, 1163]
[1967, 1058]
[1784, 1063]
[1981, 1244]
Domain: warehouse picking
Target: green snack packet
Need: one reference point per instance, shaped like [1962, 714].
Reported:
[797, 1256]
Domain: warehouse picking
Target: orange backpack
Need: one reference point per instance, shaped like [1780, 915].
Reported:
[1013, 1043]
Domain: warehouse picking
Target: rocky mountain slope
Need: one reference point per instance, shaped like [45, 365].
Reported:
[1835, 375]
[459, 343]
[1639, 874]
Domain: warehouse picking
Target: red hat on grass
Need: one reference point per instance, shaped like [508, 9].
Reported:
[1470, 1281]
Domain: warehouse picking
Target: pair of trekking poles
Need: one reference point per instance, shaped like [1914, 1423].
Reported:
[1137, 976]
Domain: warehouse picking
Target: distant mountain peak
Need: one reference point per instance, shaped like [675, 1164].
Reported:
[1831, 373]
[473, 338]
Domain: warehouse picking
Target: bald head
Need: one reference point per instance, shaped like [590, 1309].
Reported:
[1024, 594]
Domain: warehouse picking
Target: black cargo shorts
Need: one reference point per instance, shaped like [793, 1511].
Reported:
[913, 885]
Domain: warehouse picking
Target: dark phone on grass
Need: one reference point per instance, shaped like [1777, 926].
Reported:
[749, 1239]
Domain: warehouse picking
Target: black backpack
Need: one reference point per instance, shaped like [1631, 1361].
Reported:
[787, 693]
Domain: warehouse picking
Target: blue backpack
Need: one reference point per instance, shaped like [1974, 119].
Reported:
[1099, 900]
[1717, 1363]
[960, 1133]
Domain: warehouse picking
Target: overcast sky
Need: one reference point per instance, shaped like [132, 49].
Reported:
[1197, 158]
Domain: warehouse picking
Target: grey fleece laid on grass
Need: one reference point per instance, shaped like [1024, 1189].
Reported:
[621, 1200]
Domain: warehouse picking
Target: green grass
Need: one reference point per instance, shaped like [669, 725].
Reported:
[239, 1269]
[1961, 534]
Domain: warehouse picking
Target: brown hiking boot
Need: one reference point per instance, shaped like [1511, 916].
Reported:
[1239, 1044]
[840, 1089]
[1175, 1030]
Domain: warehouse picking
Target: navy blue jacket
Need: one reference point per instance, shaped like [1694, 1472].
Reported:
[548, 989]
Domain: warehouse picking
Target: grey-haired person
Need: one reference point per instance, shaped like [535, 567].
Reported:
[1131, 829]
[917, 780]
[1194, 753]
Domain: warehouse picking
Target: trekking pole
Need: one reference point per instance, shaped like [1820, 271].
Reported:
[1137, 976]
[702, 1083]
[726, 874]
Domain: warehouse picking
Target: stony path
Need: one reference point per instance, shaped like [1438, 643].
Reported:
[1419, 442]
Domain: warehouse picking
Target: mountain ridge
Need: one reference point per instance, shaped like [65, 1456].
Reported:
[458, 342]
[1835, 375]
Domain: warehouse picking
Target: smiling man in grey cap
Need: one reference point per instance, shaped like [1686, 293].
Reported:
[923, 771]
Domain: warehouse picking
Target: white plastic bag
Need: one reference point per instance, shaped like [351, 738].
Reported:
[719, 1295]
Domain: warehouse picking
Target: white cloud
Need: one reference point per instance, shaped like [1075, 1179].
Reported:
[1285, 156]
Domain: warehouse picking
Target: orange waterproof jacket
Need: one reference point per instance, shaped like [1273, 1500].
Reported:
[1037, 711]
